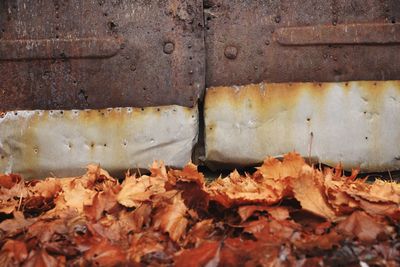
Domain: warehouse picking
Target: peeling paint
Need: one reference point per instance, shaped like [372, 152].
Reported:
[356, 123]
[62, 142]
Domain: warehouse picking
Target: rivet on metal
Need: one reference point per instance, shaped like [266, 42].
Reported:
[231, 52]
[168, 48]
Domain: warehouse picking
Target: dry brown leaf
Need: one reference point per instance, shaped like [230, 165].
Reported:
[291, 166]
[74, 196]
[105, 254]
[16, 251]
[207, 254]
[310, 242]
[41, 258]
[188, 174]
[308, 190]
[48, 188]
[237, 189]
[363, 226]
[144, 243]
[17, 224]
[171, 218]
[379, 191]
[9, 180]
[199, 232]
[101, 202]
[137, 190]
[278, 213]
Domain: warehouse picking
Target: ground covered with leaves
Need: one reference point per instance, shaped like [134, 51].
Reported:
[284, 214]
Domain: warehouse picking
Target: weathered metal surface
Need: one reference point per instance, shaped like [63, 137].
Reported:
[96, 53]
[59, 48]
[287, 41]
[60, 142]
[355, 123]
[340, 34]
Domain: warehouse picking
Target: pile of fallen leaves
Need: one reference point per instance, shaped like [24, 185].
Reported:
[285, 214]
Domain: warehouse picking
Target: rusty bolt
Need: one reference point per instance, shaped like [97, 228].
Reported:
[168, 48]
[231, 52]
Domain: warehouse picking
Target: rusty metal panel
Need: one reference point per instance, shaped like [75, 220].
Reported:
[287, 41]
[97, 53]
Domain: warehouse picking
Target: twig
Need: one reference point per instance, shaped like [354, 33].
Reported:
[310, 147]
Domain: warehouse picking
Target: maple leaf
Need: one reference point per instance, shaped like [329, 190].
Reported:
[9, 180]
[145, 243]
[102, 201]
[363, 226]
[237, 189]
[199, 232]
[291, 166]
[48, 188]
[308, 190]
[158, 169]
[273, 231]
[309, 242]
[41, 258]
[134, 221]
[171, 219]
[278, 213]
[379, 191]
[137, 190]
[384, 209]
[188, 174]
[207, 254]
[44, 230]
[17, 224]
[105, 254]
[13, 251]
[74, 196]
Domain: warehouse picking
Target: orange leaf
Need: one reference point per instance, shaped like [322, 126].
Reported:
[308, 190]
[290, 166]
[362, 226]
[171, 219]
[207, 254]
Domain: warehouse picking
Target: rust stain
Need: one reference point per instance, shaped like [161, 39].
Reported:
[324, 113]
[120, 137]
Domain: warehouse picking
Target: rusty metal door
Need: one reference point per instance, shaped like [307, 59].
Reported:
[313, 40]
[98, 53]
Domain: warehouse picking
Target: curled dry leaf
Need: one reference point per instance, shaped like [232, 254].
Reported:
[41, 258]
[237, 189]
[308, 190]
[13, 252]
[207, 254]
[310, 242]
[278, 213]
[291, 166]
[9, 180]
[17, 224]
[105, 254]
[137, 190]
[188, 174]
[171, 218]
[364, 227]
